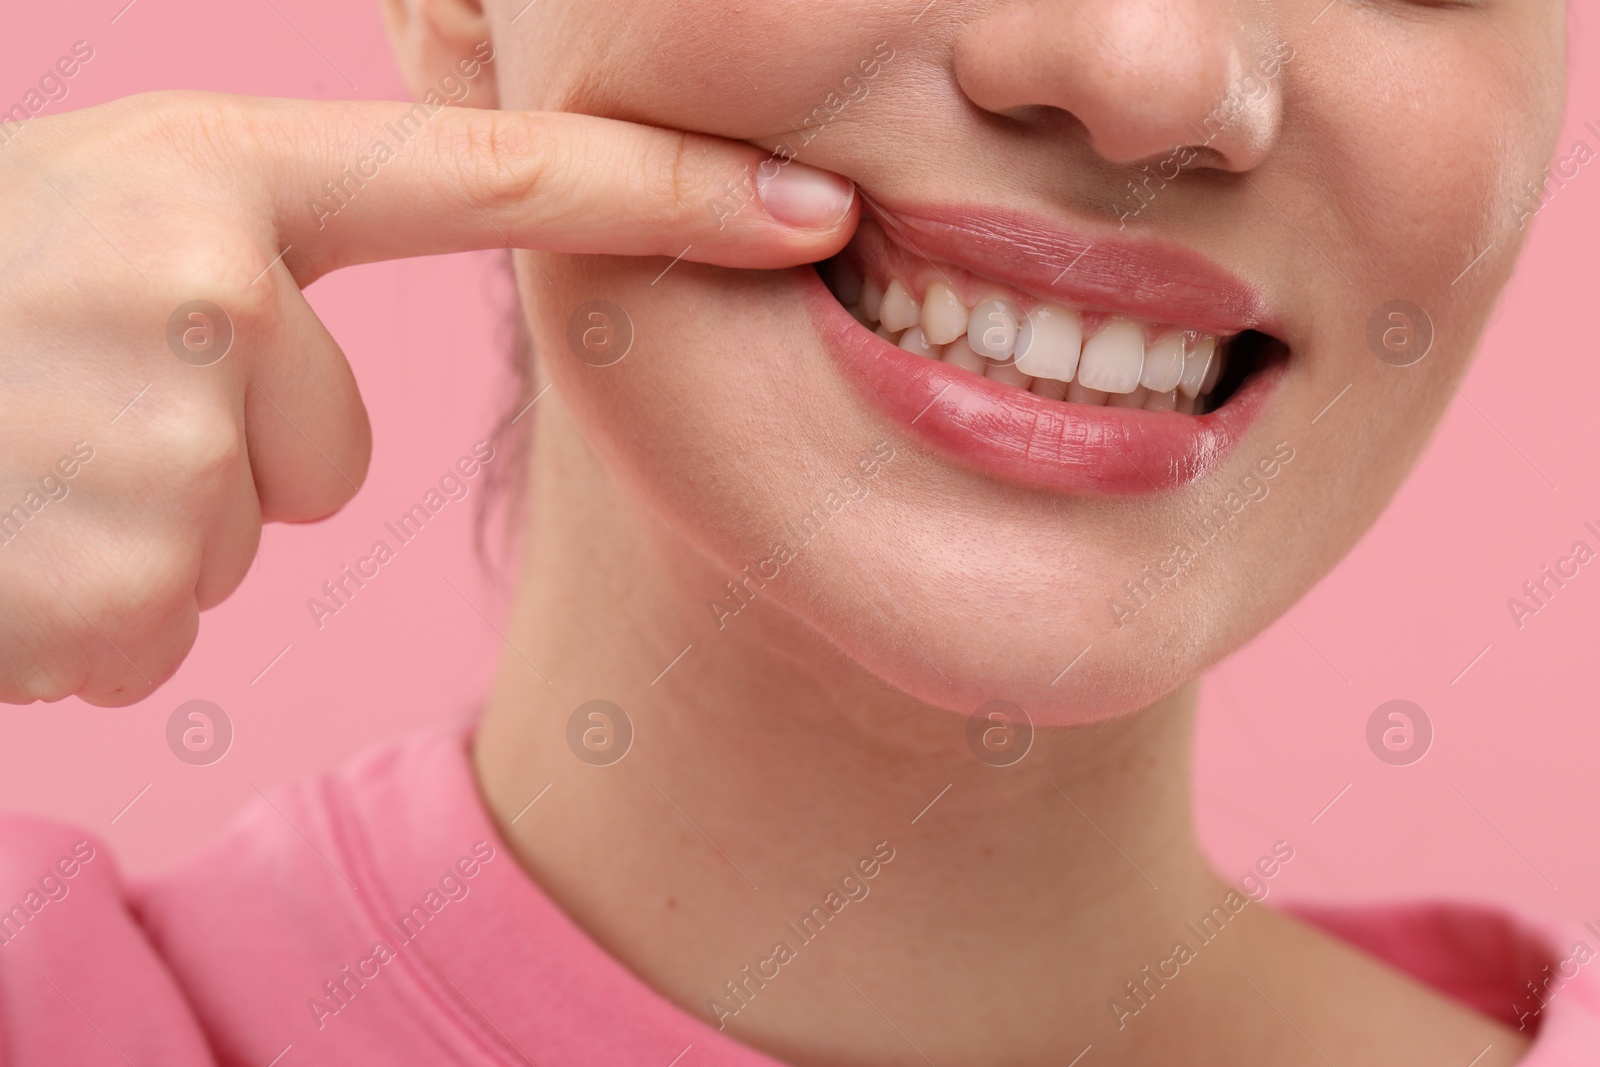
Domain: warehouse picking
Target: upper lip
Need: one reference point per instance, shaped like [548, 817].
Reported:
[1144, 278]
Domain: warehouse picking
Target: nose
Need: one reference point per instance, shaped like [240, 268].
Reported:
[1141, 78]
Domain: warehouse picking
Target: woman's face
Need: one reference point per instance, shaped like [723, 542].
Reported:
[1314, 187]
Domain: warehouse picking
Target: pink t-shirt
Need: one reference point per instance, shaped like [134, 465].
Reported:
[376, 917]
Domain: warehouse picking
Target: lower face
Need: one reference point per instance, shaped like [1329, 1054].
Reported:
[1068, 421]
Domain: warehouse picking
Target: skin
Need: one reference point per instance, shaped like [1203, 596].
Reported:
[100, 599]
[832, 709]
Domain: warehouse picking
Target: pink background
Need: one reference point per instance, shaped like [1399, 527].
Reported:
[1503, 806]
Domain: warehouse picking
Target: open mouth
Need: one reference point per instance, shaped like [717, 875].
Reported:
[1045, 357]
[1070, 355]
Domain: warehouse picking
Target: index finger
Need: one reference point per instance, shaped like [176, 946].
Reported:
[357, 182]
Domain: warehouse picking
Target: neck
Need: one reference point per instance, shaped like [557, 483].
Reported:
[768, 775]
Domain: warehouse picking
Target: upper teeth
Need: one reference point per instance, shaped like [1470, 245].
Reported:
[1044, 350]
[1049, 345]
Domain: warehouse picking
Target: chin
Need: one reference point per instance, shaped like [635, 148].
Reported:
[882, 491]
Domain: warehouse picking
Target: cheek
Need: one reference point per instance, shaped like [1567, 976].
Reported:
[1410, 199]
[1422, 134]
[739, 70]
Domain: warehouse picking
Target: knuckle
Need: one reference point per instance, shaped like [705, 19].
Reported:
[106, 633]
[198, 128]
[36, 681]
[669, 171]
[131, 613]
[171, 624]
[42, 653]
[505, 158]
[203, 441]
[226, 269]
[50, 661]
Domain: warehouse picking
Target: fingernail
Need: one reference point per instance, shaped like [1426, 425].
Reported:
[804, 197]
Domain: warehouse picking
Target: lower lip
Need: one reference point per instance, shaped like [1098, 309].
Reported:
[1005, 433]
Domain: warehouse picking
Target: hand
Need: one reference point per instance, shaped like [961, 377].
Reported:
[164, 386]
